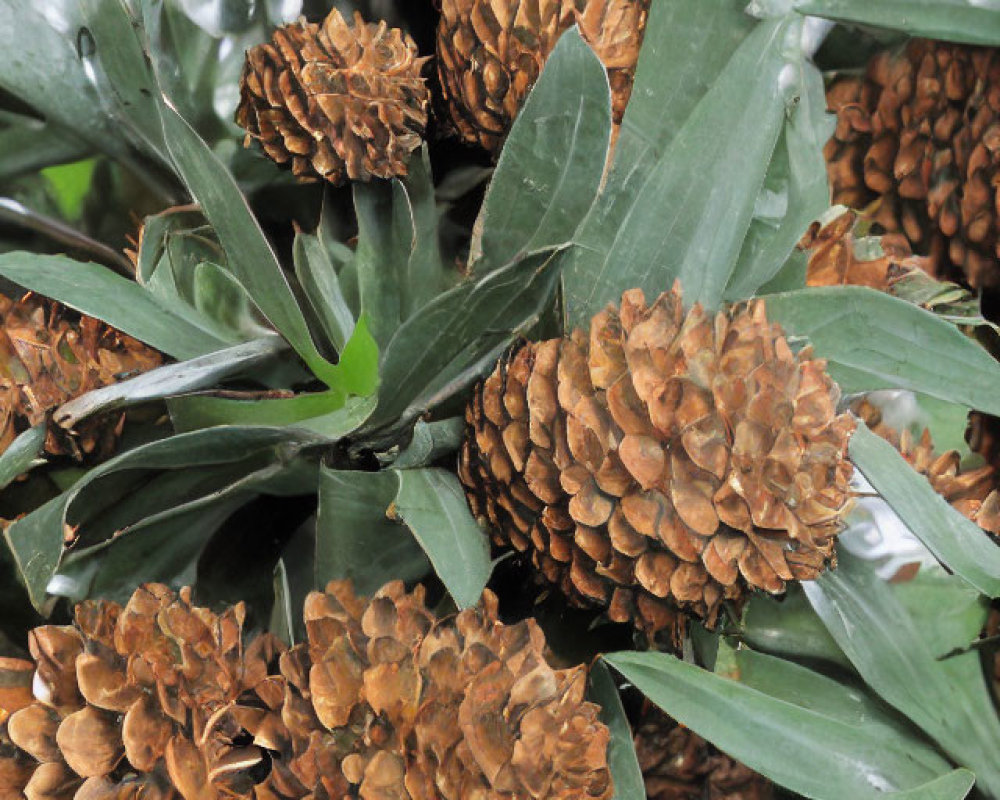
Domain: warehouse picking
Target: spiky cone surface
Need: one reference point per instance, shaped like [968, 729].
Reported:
[49, 356]
[386, 701]
[153, 700]
[677, 764]
[491, 52]
[918, 142]
[336, 101]
[665, 463]
[975, 493]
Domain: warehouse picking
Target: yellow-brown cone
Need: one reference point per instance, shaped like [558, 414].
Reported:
[491, 52]
[918, 144]
[665, 463]
[48, 356]
[336, 101]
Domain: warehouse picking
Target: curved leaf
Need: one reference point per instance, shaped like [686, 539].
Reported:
[625, 772]
[22, 454]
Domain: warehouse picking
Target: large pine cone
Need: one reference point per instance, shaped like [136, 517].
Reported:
[48, 356]
[667, 462]
[920, 133]
[491, 52]
[677, 764]
[337, 101]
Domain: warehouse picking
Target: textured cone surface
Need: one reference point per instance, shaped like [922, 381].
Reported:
[677, 764]
[48, 356]
[917, 144]
[335, 101]
[385, 701]
[491, 52]
[975, 493]
[664, 464]
[152, 700]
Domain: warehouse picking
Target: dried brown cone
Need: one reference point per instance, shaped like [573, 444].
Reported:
[50, 355]
[490, 53]
[677, 764]
[335, 101]
[917, 144]
[153, 700]
[385, 701]
[975, 493]
[665, 464]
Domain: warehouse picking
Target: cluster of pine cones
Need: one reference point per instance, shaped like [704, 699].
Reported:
[339, 100]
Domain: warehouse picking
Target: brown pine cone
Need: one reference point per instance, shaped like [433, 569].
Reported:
[491, 52]
[677, 764]
[665, 464]
[920, 134]
[50, 355]
[338, 101]
[973, 493]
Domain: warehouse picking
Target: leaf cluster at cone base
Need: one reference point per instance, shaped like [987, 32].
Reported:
[163, 699]
[918, 144]
[491, 53]
[664, 464]
[336, 101]
[51, 355]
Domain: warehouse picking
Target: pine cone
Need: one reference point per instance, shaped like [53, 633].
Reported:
[48, 356]
[920, 133]
[677, 764]
[974, 493]
[388, 700]
[491, 52]
[152, 700]
[667, 463]
[337, 101]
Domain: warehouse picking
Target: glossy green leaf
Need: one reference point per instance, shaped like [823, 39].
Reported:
[970, 21]
[22, 454]
[625, 772]
[95, 290]
[846, 757]
[874, 341]
[354, 537]
[318, 279]
[173, 379]
[959, 544]
[686, 218]
[885, 646]
[250, 257]
[432, 504]
[431, 441]
[550, 166]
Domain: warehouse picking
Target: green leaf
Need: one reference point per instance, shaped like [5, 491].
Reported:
[354, 537]
[318, 278]
[845, 756]
[959, 544]
[687, 216]
[70, 184]
[969, 21]
[431, 441]
[432, 504]
[282, 622]
[22, 454]
[250, 257]
[874, 341]
[625, 772]
[885, 646]
[173, 379]
[28, 145]
[952, 614]
[95, 290]
[449, 342]
[550, 166]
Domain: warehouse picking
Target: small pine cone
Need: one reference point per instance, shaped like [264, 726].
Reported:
[974, 493]
[153, 700]
[48, 356]
[491, 52]
[665, 464]
[385, 701]
[677, 764]
[920, 134]
[337, 101]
